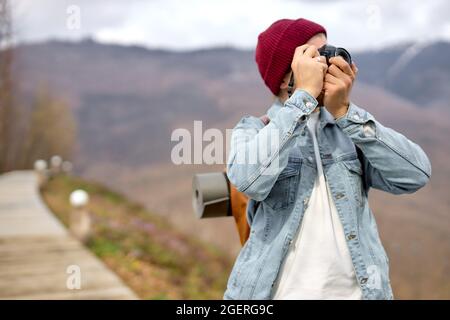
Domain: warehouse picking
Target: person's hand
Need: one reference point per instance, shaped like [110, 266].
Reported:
[309, 69]
[265, 119]
[337, 86]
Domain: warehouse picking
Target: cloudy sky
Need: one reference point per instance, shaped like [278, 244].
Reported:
[191, 24]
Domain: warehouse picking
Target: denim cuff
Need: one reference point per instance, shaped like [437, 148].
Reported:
[303, 101]
[354, 115]
[251, 122]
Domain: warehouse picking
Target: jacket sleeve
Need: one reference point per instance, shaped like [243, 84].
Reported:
[392, 162]
[258, 153]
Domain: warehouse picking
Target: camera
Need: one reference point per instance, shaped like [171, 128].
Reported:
[328, 51]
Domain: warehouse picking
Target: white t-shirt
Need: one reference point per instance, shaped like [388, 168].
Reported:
[318, 265]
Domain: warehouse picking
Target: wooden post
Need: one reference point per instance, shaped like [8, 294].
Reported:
[80, 220]
[67, 167]
[40, 167]
[55, 165]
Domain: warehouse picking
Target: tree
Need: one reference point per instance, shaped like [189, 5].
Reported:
[51, 130]
[7, 112]
[25, 136]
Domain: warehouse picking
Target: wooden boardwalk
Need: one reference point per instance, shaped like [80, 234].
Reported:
[36, 251]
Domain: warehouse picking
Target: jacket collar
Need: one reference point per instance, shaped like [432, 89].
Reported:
[274, 108]
[325, 117]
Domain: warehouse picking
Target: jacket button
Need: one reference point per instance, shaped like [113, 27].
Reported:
[364, 280]
[339, 195]
[351, 236]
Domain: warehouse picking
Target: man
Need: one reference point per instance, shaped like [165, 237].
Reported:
[313, 235]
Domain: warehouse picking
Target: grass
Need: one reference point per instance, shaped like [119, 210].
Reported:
[150, 255]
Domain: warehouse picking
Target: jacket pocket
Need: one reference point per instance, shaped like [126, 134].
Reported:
[355, 174]
[283, 192]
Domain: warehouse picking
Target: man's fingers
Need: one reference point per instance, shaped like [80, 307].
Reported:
[343, 65]
[338, 73]
[329, 78]
[265, 119]
[354, 68]
[335, 71]
[321, 59]
[311, 51]
[301, 49]
[324, 68]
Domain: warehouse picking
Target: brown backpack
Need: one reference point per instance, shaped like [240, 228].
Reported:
[238, 202]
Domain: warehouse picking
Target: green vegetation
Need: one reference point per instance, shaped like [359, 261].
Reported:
[153, 258]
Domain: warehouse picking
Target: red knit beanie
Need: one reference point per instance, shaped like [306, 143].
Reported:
[276, 47]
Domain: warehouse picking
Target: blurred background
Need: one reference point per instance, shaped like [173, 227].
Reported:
[104, 84]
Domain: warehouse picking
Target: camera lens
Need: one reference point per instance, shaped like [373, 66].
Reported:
[344, 54]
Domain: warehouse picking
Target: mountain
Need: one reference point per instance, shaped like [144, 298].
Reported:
[128, 101]
[418, 72]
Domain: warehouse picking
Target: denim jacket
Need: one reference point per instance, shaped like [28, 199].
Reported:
[357, 152]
